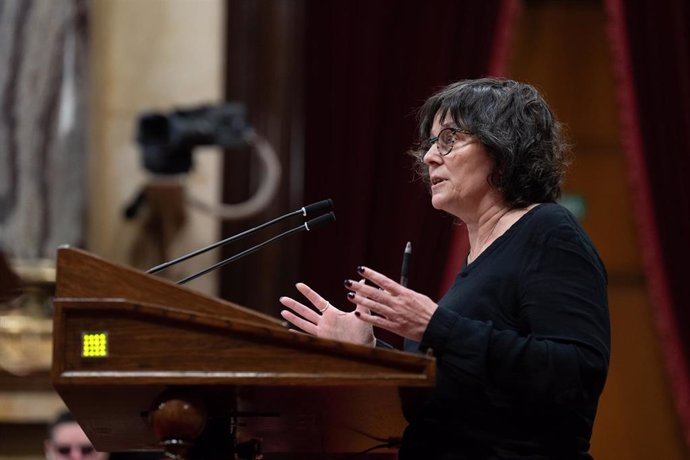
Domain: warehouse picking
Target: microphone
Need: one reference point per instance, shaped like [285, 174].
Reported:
[308, 226]
[306, 211]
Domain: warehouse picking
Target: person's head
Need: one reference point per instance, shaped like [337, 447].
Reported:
[514, 125]
[67, 441]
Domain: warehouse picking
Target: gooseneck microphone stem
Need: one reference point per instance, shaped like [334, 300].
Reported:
[219, 243]
[313, 223]
[305, 211]
[237, 256]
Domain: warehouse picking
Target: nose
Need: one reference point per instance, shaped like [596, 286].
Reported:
[431, 155]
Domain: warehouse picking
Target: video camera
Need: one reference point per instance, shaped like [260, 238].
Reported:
[167, 139]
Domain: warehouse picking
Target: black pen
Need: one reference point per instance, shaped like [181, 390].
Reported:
[405, 270]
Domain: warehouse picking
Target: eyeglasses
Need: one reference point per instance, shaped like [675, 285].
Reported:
[446, 139]
[66, 449]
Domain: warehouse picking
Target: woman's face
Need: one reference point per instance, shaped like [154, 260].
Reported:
[459, 182]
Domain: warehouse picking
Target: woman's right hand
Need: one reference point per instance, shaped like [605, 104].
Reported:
[326, 321]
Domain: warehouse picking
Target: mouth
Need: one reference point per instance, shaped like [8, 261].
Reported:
[436, 181]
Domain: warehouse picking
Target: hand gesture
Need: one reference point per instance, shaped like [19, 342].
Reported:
[327, 321]
[390, 306]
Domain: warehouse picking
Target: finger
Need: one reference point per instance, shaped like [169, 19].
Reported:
[378, 321]
[297, 331]
[300, 309]
[299, 322]
[362, 308]
[319, 302]
[367, 303]
[380, 280]
[374, 293]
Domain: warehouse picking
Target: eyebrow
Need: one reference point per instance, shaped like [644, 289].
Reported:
[443, 126]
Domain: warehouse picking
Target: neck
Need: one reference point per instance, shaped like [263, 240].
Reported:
[485, 229]
[490, 224]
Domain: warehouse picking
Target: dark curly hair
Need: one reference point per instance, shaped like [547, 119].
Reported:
[517, 127]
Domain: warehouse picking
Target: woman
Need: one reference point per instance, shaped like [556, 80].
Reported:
[522, 337]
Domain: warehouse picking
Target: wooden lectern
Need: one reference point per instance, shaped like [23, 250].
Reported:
[145, 364]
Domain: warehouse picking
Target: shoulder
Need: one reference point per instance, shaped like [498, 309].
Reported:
[555, 227]
[551, 220]
[553, 213]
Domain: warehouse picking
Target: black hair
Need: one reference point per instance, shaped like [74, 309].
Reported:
[517, 127]
[62, 417]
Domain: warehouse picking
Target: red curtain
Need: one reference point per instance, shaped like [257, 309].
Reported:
[651, 44]
[369, 65]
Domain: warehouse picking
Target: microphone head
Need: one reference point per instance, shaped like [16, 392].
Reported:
[321, 220]
[317, 208]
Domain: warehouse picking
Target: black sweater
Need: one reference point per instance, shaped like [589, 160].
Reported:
[522, 345]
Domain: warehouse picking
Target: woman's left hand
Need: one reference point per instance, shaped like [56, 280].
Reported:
[393, 307]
